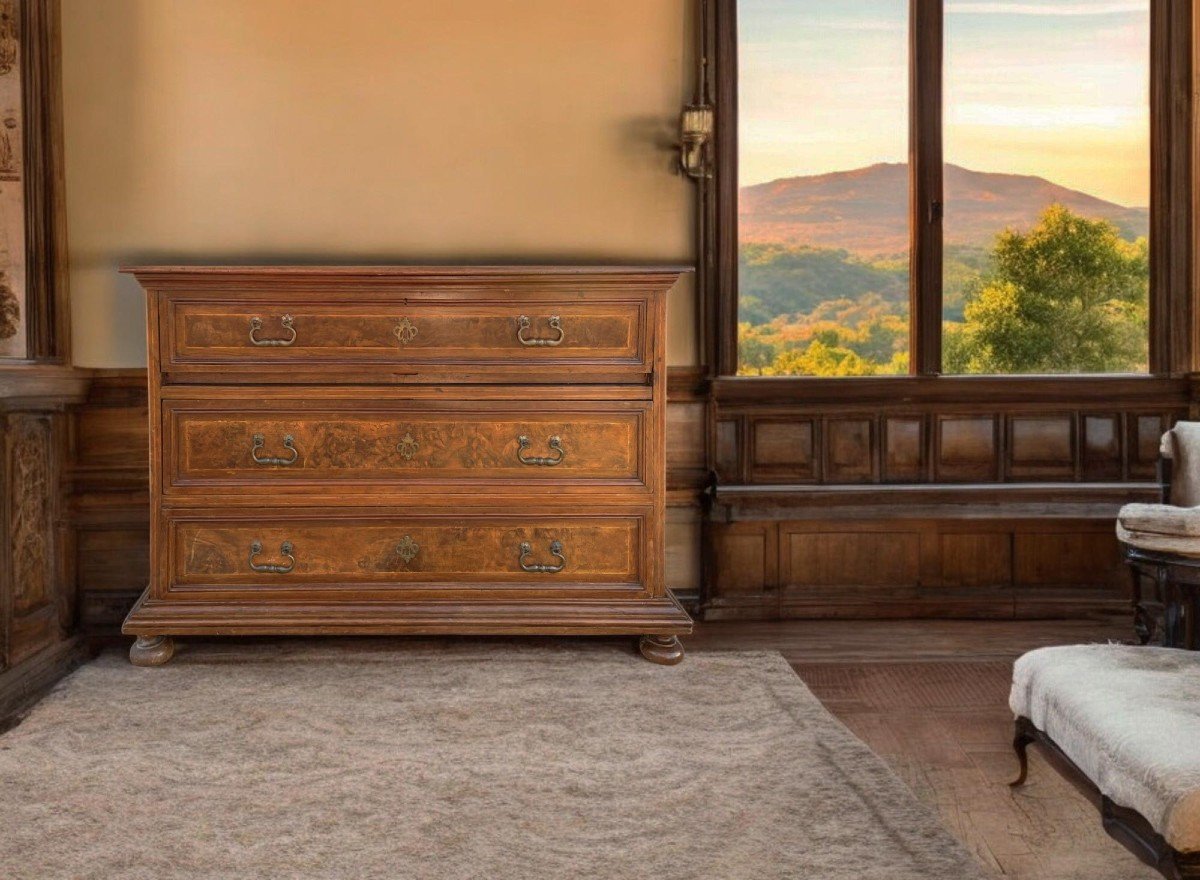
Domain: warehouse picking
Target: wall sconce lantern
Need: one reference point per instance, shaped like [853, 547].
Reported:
[695, 133]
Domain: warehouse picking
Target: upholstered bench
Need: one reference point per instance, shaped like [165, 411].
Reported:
[1123, 723]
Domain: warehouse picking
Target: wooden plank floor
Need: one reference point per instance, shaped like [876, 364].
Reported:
[931, 697]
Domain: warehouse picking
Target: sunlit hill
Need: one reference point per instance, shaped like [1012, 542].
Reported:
[865, 210]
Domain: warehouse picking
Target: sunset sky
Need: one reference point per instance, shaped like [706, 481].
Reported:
[1054, 88]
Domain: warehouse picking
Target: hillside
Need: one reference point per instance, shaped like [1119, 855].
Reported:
[865, 210]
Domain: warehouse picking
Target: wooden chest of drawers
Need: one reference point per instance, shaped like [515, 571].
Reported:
[406, 450]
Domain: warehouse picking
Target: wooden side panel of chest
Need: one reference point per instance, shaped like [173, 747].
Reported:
[407, 450]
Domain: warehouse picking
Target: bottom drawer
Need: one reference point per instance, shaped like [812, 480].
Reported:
[280, 552]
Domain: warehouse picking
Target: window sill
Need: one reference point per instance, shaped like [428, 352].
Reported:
[867, 390]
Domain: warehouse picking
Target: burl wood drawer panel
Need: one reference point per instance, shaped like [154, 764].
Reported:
[246, 446]
[513, 334]
[503, 552]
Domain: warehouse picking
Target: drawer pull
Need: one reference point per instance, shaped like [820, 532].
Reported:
[407, 549]
[556, 548]
[408, 446]
[523, 324]
[286, 321]
[405, 331]
[555, 443]
[288, 442]
[285, 550]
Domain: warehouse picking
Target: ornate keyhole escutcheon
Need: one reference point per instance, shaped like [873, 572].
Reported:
[285, 550]
[256, 324]
[407, 549]
[556, 550]
[405, 331]
[408, 446]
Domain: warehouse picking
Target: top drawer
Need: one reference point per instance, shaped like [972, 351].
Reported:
[340, 336]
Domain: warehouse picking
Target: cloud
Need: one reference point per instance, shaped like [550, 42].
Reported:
[999, 7]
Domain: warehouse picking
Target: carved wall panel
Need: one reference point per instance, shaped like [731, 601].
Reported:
[904, 459]
[785, 451]
[842, 555]
[1145, 431]
[727, 454]
[1041, 446]
[967, 448]
[30, 499]
[850, 451]
[1101, 456]
[39, 610]
[974, 559]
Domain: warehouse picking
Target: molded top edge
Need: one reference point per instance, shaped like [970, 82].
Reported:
[406, 270]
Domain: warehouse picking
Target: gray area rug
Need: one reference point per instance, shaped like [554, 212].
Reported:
[459, 759]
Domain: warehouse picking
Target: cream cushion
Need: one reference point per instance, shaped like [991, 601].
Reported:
[1185, 459]
[1160, 527]
[1129, 717]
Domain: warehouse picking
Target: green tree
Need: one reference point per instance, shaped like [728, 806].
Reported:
[820, 359]
[1069, 296]
[755, 351]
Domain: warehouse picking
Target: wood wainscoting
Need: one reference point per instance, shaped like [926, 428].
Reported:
[909, 502]
[109, 477]
[819, 511]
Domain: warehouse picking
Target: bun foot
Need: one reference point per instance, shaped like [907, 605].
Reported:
[151, 650]
[666, 650]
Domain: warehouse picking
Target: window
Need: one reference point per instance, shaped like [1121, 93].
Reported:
[823, 237]
[1028, 126]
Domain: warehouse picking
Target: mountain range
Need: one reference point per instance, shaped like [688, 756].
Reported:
[865, 210]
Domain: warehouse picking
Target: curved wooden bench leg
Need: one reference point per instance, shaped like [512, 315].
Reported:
[1022, 737]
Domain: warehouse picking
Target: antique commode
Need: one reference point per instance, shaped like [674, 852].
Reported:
[406, 450]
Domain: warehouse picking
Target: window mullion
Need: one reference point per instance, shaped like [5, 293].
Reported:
[925, 185]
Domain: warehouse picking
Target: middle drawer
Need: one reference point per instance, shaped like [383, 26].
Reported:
[248, 445]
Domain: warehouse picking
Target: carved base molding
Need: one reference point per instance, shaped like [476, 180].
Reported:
[575, 617]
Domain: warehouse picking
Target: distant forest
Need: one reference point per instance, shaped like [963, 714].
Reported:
[1067, 296]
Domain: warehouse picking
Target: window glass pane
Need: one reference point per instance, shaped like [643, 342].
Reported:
[1047, 149]
[823, 199]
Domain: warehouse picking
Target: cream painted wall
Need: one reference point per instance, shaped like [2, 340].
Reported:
[367, 130]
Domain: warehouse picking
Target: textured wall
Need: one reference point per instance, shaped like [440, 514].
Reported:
[369, 130]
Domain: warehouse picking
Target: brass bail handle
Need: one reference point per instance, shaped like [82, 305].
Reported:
[256, 326]
[555, 322]
[556, 550]
[289, 443]
[285, 550]
[556, 447]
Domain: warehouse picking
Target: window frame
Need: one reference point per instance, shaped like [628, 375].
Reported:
[1173, 204]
